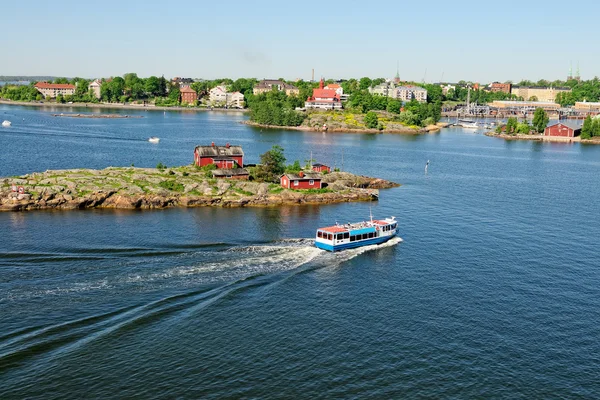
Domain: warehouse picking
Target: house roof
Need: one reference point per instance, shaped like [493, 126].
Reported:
[46, 85]
[307, 176]
[230, 171]
[571, 125]
[324, 93]
[187, 89]
[319, 165]
[222, 151]
[267, 83]
[333, 86]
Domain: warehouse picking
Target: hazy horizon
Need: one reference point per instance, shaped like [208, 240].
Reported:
[440, 42]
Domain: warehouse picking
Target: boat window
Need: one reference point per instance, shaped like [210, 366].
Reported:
[352, 238]
[364, 236]
[340, 236]
[346, 235]
[329, 236]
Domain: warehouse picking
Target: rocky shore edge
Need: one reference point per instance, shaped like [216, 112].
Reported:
[542, 138]
[150, 188]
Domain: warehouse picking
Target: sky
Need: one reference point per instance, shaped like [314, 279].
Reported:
[429, 41]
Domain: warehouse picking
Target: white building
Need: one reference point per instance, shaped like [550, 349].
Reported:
[94, 86]
[408, 93]
[220, 96]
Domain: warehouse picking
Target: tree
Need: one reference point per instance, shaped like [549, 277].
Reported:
[587, 128]
[540, 120]
[371, 120]
[364, 83]
[272, 164]
[511, 125]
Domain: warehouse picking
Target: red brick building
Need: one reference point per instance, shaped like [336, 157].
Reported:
[562, 130]
[222, 156]
[500, 87]
[326, 99]
[320, 168]
[300, 181]
[188, 95]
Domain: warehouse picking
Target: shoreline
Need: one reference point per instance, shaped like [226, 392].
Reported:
[186, 186]
[119, 106]
[542, 138]
[408, 131]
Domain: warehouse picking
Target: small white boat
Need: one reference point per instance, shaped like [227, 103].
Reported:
[154, 139]
[467, 123]
[6, 123]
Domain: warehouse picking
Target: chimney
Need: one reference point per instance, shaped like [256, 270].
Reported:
[213, 144]
[301, 174]
[227, 145]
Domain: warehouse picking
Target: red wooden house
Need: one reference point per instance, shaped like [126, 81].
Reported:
[320, 168]
[222, 156]
[300, 181]
[561, 129]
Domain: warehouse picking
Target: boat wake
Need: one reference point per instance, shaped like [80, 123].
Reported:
[216, 275]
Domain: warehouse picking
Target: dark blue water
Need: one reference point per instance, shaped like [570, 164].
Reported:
[494, 292]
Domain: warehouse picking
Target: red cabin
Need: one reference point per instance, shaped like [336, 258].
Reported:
[222, 156]
[300, 181]
[320, 168]
[561, 129]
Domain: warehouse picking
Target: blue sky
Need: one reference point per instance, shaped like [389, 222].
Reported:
[470, 40]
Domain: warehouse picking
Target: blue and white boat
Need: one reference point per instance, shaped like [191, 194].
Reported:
[348, 236]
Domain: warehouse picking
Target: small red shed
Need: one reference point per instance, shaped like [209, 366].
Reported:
[562, 130]
[320, 168]
[300, 181]
[222, 156]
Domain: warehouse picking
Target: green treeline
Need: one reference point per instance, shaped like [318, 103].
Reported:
[275, 108]
[590, 128]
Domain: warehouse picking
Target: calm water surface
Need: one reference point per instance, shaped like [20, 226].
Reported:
[494, 292]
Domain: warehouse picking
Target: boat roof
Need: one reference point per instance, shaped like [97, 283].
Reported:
[357, 227]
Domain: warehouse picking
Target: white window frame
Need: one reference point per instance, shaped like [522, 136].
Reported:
[296, 183]
[311, 182]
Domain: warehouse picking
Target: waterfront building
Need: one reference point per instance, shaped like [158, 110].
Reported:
[317, 167]
[266, 85]
[301, 180]
[236, 100]
[51, 90]
[324, 99]
[95, 86]
[409, 92]
[220, 96]
[589, 106]
[383, 89]
[562, 130]
[188, 95]
[222, 156]
[524, 105]
[500, 87]
[538, 93]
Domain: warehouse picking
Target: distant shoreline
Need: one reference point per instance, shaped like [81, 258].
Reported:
[119, 106]
[407, 131]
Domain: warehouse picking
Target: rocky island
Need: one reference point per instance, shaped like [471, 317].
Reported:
[186, 186]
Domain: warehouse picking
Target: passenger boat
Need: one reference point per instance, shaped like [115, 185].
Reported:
[6, 123]
[351, 235]
[154, 139]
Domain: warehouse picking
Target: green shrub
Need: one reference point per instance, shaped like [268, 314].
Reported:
[172, 185]
[161, 166]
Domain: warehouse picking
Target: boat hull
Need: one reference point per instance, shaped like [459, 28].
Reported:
[353, 245]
